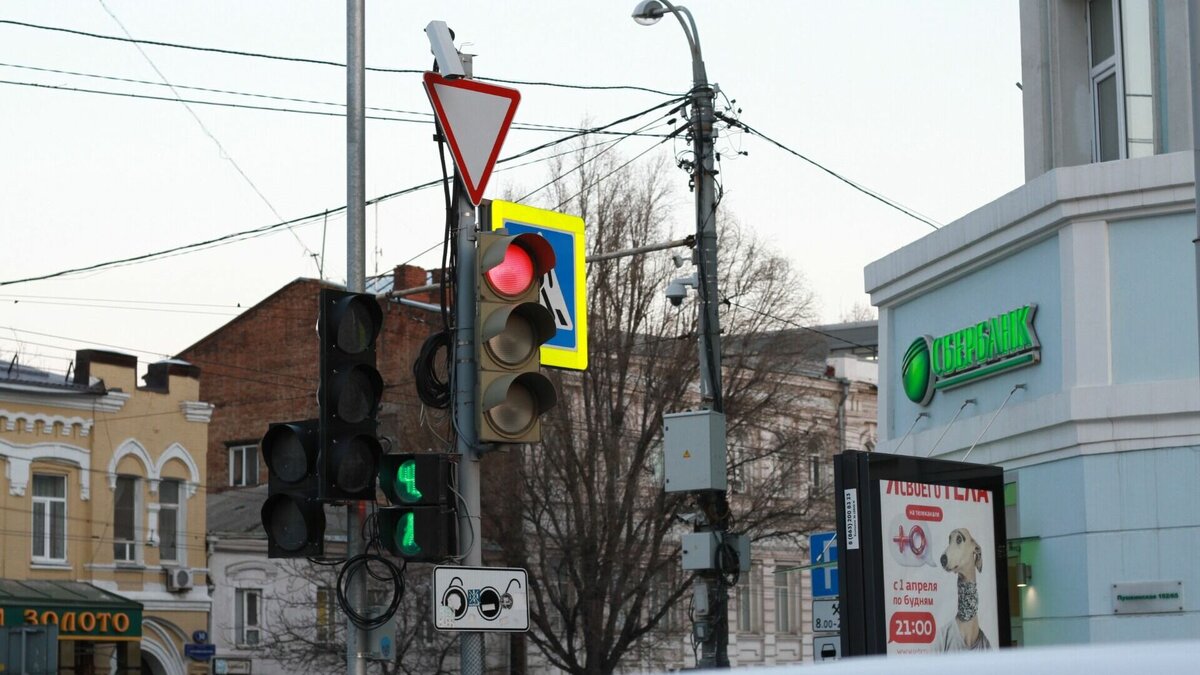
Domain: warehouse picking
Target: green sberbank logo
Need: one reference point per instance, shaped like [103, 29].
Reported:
[973, 353]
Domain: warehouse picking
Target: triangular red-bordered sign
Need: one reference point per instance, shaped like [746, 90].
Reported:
[475, 118]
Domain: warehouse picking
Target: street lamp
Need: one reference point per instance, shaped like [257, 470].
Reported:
[710, 629]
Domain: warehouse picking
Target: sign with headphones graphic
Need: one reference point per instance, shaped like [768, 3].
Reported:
[480, 599]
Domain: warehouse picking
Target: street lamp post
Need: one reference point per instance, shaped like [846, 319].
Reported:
[710, 629]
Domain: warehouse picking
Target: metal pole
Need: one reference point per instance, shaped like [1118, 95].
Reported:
[356, 199]
[1194, 54]
[469, 534]
[714, 642]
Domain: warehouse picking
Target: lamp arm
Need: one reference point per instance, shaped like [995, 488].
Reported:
[699, 74]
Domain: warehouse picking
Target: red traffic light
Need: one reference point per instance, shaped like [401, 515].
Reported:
[512, 268]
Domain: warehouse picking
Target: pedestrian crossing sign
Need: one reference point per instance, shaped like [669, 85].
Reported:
[564, 288]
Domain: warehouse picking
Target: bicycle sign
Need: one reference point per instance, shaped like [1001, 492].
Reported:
[480, 599]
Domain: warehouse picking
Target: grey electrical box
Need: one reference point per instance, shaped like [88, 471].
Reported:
[694, 449]
[699, 550]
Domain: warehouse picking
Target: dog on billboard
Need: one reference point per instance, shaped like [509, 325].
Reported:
[964, 558]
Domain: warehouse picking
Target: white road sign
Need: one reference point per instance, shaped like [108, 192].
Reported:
[827, 648]
[826, 617]
[480, 599]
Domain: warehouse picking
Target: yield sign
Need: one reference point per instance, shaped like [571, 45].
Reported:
[475, 117]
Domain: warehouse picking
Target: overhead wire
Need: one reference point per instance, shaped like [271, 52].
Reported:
[319, 62]
[857, 186]
[312, 217]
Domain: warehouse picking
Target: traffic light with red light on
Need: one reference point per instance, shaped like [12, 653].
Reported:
[293, 516]
[421, 525]
[510, 329]
[349, 395]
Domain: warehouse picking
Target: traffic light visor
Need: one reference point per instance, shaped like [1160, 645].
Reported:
[513, 334]
[290, 523]
[356, 319]
[516, 264]
[356, 461]
[512, 403]
[357, 393]
[285, 453]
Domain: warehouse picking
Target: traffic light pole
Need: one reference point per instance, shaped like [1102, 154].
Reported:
[466, 433]
[356, 204]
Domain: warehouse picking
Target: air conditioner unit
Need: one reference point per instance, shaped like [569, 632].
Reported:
[179, 579]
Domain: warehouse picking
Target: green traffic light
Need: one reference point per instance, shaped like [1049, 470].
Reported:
[406, 482]
[407, 534]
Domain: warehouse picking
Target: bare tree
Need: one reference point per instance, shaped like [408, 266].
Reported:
[590, 519]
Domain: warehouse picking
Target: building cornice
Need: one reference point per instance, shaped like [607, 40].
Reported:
[197, 411]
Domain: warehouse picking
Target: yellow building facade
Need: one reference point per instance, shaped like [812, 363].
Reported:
[102, 512]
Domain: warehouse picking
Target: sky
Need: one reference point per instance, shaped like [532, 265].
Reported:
[916, 100]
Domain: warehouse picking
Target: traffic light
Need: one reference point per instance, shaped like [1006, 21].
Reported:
[422, 523]
[292, 516]
[511, 327]
[349, 395]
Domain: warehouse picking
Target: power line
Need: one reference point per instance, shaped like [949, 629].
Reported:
[865, 190]
[873, 350]
[319, 62]
[427, 118]
[312, 217]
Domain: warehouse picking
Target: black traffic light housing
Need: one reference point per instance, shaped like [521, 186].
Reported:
[293, 516]
[510, 329]
[422, 523]
[349, 395]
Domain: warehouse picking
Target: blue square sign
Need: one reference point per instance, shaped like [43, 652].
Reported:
[822, 548]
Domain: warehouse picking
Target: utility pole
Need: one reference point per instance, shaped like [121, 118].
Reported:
[712, 628]
[356, 206]
[1194, 52]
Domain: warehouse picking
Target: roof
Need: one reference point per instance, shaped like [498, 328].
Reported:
[237, 512]
[860, 337]
[70, 593]
[17, 377]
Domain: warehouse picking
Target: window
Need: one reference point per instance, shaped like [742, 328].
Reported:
[50, 518]
[170, 521]
[326, 613]
[1120, 44]
[247, 607]
[749, 601]
[243, 465]
[785, 613]
[125, 519]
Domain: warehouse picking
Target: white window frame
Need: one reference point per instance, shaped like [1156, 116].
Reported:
[133, 548]
[1113, 66]
[785, 607]
[45, 545]
[177, 510]
[240, 478]
[243, 628]
[749, 597]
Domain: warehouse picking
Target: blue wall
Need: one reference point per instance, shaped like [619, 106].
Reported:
[1030, 276]
[1153, 267]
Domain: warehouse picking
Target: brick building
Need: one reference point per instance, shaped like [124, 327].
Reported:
[262, 367]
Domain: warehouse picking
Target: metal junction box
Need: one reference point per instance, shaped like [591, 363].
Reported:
[694, 449]
[700, 550]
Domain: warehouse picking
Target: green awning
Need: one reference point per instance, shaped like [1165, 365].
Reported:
[80, 610]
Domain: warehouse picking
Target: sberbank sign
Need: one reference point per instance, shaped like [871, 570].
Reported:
[975, 352]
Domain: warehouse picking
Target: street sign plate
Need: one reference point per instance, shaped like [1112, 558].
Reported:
[827, 647]
[826, 616]
[199, 652]
[475, 118]
[564, 289]
[480, 599]
[823, 549]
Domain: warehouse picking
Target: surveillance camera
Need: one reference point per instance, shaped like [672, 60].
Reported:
[441, 43]
[676, 292]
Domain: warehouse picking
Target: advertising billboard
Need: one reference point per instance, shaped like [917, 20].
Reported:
[924, 568]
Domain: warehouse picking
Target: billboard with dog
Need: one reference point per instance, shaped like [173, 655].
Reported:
[924, 567]
[940, 589]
